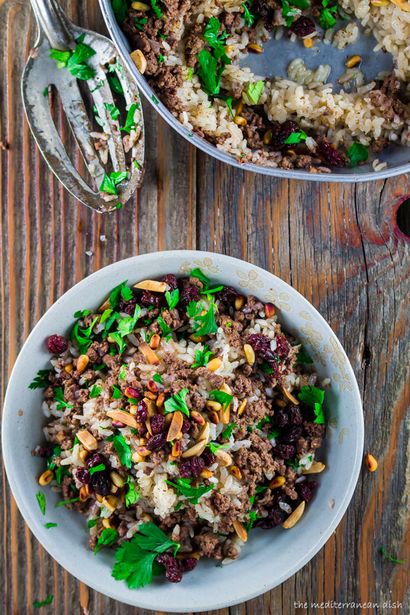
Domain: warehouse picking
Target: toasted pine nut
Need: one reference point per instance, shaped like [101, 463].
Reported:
[239, 120]
[83, 455]
[289, 396]
[255, 47]
[82, 362]
[308, 43]
[294, 516]
[68, 368]
[249, 354]
[214, 405]
[240, 530]
[45, 478]
[278, 481]
[235, 471]
[315, 468]
[270, 310]
[242, 406]
[213, 417]
[239, 302]
[150, 395]
[143, 451]
[140, 6]
[281, 403]
[176, 449]
[224, 458]
[226, 388]
[214, 364]
[106, 523]
[137, 458]
[160, 400]
[84, 493]
[267, 137]
[149, 354]
[197, 417]
[117, 479]
[154, 341]
[239, 108]
[371, 463]
[175, 426]
[133, 409]
[143, 440]
[87, 440]
[123, 417]
[225, 415]
[197, 338]
[152, 285]
[353, 61]
[379, 2]
[206, 473]
[110, 502]
[151, 406]
[195, 450]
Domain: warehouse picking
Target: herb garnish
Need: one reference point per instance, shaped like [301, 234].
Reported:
[110, 182]
[122, 291]
[59, 397]
[92, 523]
[193, 494]
[211, 64]
[129, 120]
[214, 447]
[227, 432]
[314, 397]
[123, 450]
[253, 91]
[116, 392]
[202, 356]
[247, 15]
[135, 559]
[112, 110]
[37, 604]
[289, 12]
[41, 380]
[157, 378]
[163, 325]
[41, 499]
[75, 59]
[326, 17]
[107, 538]
[296, 137]
[49, 525]
[94, 469]
[133, 495]
[223, 398]
[357, 153]
[172, 298]
[95, 391]
[156, 8]
[389, 557]
[208, 287]
[204, 324]
[69, 501]
[302, 357]
[212, 36]
[177, 403]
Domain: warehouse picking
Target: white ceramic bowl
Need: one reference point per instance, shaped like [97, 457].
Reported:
[271, 556]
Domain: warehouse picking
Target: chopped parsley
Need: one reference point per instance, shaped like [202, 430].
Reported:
[177, 403]
[49, 525]
[212, 36]
[202, 356]
[95, 469]
[172, 298]
[211, 64]
[296, 137]
[133, 495]
[223, 398]
[41, 380]
[120, 8]
[129, 120]
[122, 291]
[157, 9]
[357, 153]
[249, 19]
[302, 357]
[184, 488]
[116, 392]
[81, 313]
[164, 327]
[157, 378]
[114, 82]
[37, 604]
[41, 500]
[228, 101]
[227, 432]
[327, 18]
[208, 287]
[314, 397]
[110, 182]
[117, 338]
[107, 538]
[65, 502]
[123, 450]
[123, 372]
[74, 60]
[59, 397]
[127, 325]
[253, 91]
[289, 12]
[204, 324]
[135, 559]
[92, 523]
[112, 110]
[95, 391]
[389, 557]
[140, 23]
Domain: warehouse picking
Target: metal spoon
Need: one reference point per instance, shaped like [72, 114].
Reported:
[104, 151]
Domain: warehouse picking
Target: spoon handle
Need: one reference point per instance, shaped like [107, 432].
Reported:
[53, 23]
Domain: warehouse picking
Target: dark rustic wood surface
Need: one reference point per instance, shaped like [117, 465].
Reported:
[339, 245]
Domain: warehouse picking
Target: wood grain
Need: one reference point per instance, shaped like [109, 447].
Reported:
[337, 244]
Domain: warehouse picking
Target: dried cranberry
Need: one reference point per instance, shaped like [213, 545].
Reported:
[83, 476]
[95, 460]
[208, 457]
[171, 280]
[228, 294]
[157, 424]
[43, 451]
[292, 434]
[142, 412]
[186, 426]
[281, 417]
[190, 293]
[127, 306]
[189, 563]
[306, 489]
[56, 344]
[303, 26]
[278, 516]
[185, 469]
[173, 571]
[295, 415]
[261, 344]
[100, 482]
[282, 346]
[156, 442]
[330, 154]
[284, 451]
[148, 298]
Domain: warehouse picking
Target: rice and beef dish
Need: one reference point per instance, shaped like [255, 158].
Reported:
[191, 53]
[179, 416]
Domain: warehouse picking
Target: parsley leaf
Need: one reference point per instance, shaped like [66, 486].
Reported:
[214, 447]
[202, 356]
[95, 469]
[193, 494]
[177, 403]
[326, 17]
[156, 8]
[253, 91]
[172, 298]
[92, 523]
[247, 15]
[208, 287]
[65, 502]
[41, 499]
[75, 59]
[112, 110]
[206, 323]
[296, 137]
[130, 123]
[117, 338]
[302, 357]
[117, 293]
[81, 314]
[41, 380]
[157, 378]
[110, 182]
[314, 397]
[211, 33]
[123, 372]
[120, 8]
[123, 450]
[227, 432]
[38, 604]
[49, 525]
[223, 398]
[59, 397]
[116, 392]
[107, 538]
[357, 153]
[389, 557]
[164, 327]
[133, 495]
[194, 308]
[95, 391]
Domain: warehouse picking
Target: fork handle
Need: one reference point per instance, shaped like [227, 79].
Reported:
[53, 23]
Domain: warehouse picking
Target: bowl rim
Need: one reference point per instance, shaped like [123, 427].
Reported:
[68, 563]
[119, 41]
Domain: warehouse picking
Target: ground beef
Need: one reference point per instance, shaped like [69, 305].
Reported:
[242, 386]
[167, 81]
[209, 545]
[97, 350]
[256, 462]
[222, 503]
[193, 44]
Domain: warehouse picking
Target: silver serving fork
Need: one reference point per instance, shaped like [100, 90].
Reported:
[104, 151]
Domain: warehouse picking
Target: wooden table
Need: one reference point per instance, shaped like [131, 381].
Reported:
[339, 245]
